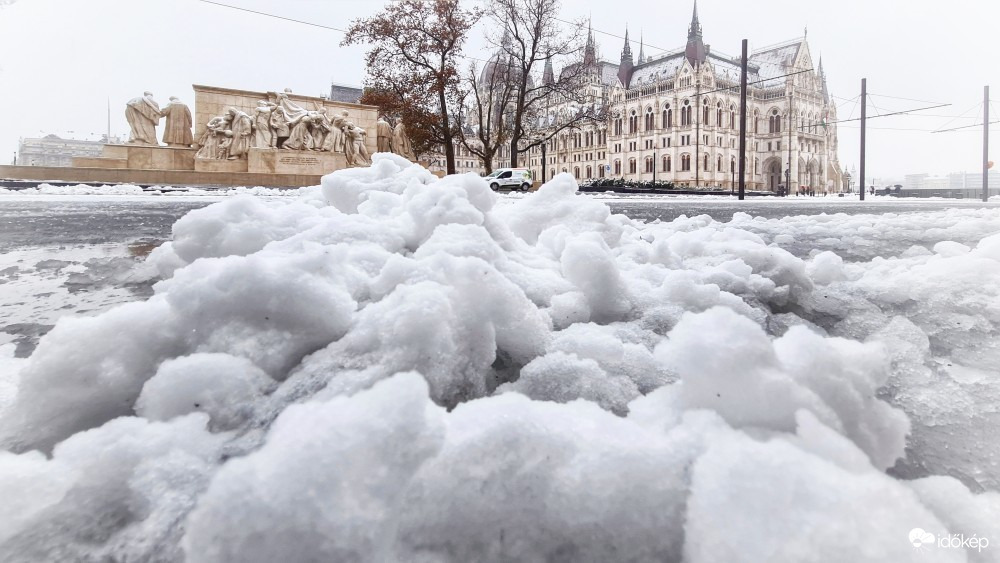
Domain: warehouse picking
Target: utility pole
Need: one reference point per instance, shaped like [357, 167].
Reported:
[864, 115]
[544, 162]
[743, 121]
[986, 143]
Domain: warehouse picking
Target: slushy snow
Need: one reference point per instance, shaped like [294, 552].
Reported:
[395, 368]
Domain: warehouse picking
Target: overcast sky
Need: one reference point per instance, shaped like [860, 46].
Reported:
[62, 60]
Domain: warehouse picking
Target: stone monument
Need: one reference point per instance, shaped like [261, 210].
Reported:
[177, 124]
[142, 114]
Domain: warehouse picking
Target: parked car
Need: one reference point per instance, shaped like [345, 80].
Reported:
[510, 179]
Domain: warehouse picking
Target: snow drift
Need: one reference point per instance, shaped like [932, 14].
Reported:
[394, 368]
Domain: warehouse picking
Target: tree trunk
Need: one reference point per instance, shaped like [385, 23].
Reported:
[449, 142]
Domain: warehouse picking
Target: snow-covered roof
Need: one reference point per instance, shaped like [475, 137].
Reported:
[657, 69]
[772, 59]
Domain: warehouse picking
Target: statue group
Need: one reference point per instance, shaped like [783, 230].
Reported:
[144, 114]
[279, 125]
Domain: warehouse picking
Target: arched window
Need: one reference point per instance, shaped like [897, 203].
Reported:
[650, 119]
[590, 172]
[732, 117]
[618, 168]
[756, 122]
[665, 120]
[600, 171]
[756, 164]
[718, 165]
[649, 164]
[576, 172]
[705, 167]
[631, 166]
[704, 117]
[666, 164]
[718, 114]
[552, 172]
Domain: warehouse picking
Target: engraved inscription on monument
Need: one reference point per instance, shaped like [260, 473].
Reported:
[299, 160]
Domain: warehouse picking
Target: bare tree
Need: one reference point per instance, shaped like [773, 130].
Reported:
[486, 107]
[415, 45]
[533, 36]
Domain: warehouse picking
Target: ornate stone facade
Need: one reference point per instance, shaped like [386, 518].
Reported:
[675, 117]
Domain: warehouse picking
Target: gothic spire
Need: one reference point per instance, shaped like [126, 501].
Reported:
[695, 28]
[695, 50]
[549, 75]
[625, 66]
[642, 57]
[590, 53]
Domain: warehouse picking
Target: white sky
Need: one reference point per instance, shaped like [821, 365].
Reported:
[62, 60]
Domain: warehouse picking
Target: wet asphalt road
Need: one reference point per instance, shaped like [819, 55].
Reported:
[43, 222]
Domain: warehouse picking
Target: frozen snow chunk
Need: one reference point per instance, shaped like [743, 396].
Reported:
[326, 485]
[346, 189]
[115, 493]
[223, 386]
[784, 239]
[562, 377]
[601, 344]
[826, 268]
[950, 249]
[989, 247]
[751, 382]
[588, 264]
[521, 480]
[770, 501]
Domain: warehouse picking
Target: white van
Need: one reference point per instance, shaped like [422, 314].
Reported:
[510, 178]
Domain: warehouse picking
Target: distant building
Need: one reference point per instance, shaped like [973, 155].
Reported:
[52, 150]
[347, 94]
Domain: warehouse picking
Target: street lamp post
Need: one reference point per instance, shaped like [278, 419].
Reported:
[788, 179]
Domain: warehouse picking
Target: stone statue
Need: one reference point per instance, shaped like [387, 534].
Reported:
[384, 135]
[336, 138]
[143, 115]
[300, 138]
[279, 123]
[264, 137]
[354, 145]
[241, 127]
[293, 111]
[177, 127]
[401, 143]
[321, 128]
[212, 138]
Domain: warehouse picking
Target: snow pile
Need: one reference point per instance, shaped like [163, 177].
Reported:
[133, 190]
[78, 189]
[394, 368]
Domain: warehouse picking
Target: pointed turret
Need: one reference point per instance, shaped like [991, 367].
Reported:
[695, 50]
[590, 52]
[822, 78]
[642, 56]
[548, 76]
[625, 66]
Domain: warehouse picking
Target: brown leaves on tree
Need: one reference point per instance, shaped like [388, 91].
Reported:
[412, 72]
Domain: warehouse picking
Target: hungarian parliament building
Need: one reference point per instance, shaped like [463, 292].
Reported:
[675, 118]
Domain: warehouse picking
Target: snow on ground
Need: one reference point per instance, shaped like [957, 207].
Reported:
[396, 368]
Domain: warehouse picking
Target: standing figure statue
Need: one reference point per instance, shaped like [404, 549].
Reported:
[177, 127]
[279, 123]
[401, 143]
[384, 135]
[354, 145]
[143, 115]
[241, 128]
[335, 141]
[264, 137]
